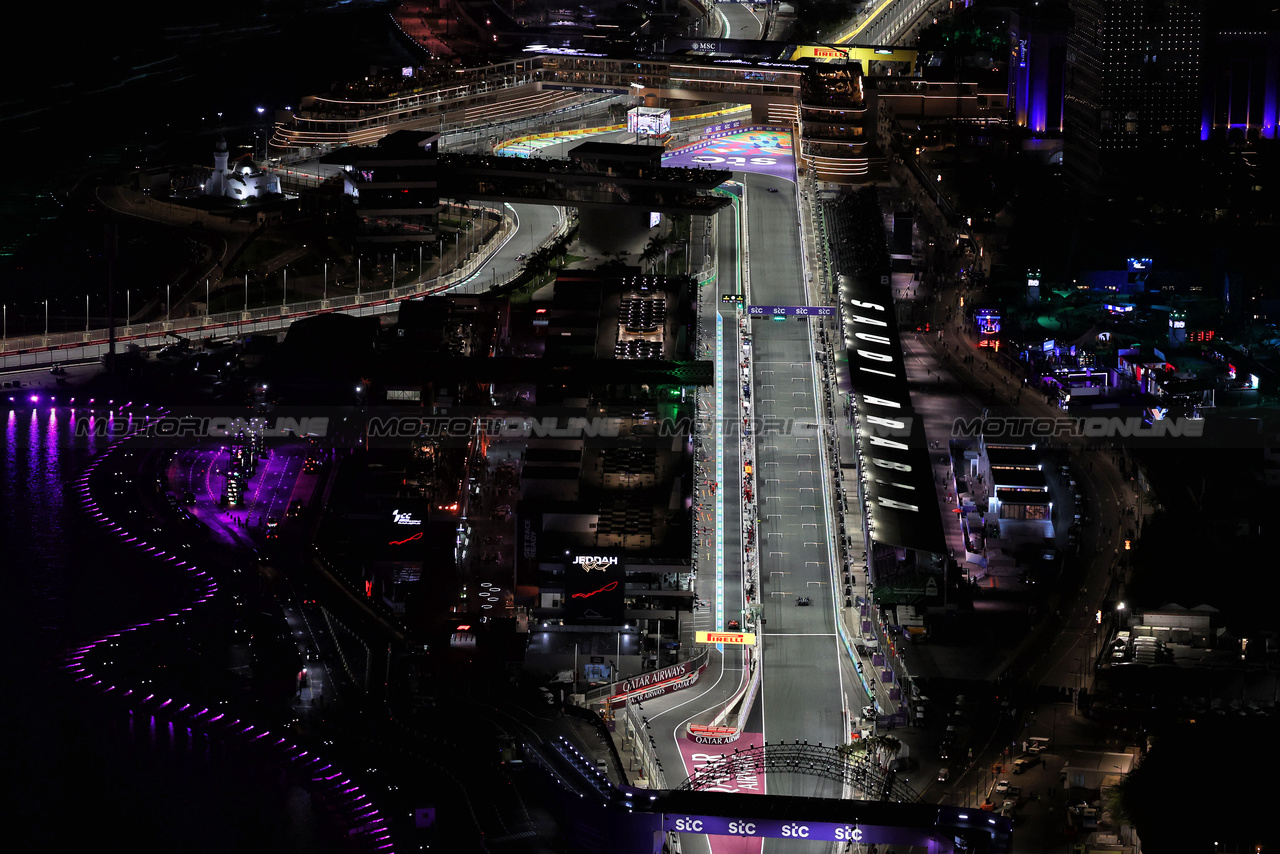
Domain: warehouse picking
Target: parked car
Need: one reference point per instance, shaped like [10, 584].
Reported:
[1002, 787]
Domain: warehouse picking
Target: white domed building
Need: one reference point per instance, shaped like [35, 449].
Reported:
[241, 180]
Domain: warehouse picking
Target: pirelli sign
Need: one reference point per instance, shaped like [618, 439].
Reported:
[739, 638]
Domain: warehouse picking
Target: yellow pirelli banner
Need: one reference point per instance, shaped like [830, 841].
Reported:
[739, 638]
[864, 55]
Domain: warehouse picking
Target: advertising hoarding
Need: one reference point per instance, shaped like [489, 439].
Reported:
[793, 310]
[737, 638]
[593, 589]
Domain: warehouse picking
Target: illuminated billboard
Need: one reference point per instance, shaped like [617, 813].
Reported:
[648, 121]
[593, 589]
[736, 638]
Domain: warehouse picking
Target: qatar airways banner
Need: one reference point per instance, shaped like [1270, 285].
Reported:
[653, 677]
[672, 683]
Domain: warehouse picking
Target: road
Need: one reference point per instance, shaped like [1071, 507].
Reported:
[741, 21]
[804, 694]
[1110, 498]
[803, 691]
[533, 224]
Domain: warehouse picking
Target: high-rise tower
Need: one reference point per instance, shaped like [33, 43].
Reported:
[1133, 90]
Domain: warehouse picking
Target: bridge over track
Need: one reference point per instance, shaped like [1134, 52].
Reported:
[862, 773]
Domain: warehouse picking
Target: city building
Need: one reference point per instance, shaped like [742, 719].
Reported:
[1133, 90]
[1242, 80]
[1037, 59]
[393, 188]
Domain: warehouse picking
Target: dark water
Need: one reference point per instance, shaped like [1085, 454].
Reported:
[107, 85]
[75, 772]
[101, 86]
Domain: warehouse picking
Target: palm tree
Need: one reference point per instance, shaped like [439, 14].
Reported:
[890, 747]
[1120, 798]
[650, 252]
[655, 248]
[853, 749]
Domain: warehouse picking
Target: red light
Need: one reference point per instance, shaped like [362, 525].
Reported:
[416, 536]
[368, 588]
[610, 586]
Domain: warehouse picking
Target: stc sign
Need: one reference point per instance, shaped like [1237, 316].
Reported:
[793, 310]
[818, 831]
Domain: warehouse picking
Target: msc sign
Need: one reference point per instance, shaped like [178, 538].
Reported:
[739, 638]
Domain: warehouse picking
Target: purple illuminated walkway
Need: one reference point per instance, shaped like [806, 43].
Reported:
[90, 664]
